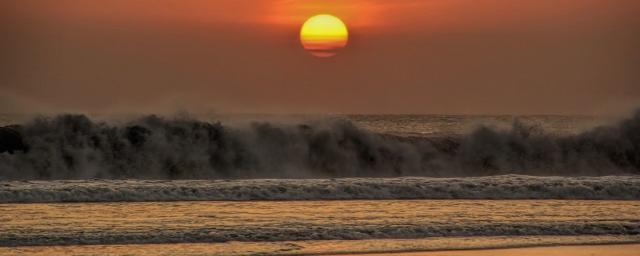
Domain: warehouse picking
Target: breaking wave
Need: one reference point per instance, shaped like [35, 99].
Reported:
[75, 147]
[493, 187]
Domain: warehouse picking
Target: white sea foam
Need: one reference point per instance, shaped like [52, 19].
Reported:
[491, 187]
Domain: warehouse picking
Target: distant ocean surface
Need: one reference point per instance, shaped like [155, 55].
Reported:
[443, 125]
[66, 197]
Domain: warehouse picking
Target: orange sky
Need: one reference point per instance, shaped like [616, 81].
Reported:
[404, 56]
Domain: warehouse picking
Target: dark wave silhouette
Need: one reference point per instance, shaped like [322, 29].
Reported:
[75, 147]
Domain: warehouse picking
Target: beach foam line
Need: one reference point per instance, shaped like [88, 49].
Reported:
[490, 187]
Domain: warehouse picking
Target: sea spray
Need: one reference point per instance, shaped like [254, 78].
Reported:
[76, 147]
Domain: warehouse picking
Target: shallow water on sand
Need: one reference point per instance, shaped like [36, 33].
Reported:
[463, 246]
[586, 250]
[180, 222]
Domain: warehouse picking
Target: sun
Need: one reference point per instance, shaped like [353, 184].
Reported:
[324, 35]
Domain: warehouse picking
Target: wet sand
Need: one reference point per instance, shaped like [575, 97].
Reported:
[585, 250]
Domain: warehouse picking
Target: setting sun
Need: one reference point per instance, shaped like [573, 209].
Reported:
[323, 35]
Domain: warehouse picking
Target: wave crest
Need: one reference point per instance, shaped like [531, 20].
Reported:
[75, 147]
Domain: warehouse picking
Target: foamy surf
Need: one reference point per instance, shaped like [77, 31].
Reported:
[491, 187]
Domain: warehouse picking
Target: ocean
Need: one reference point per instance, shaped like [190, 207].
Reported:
[309, 185]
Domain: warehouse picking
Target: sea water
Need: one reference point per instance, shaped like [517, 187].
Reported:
[323, 215]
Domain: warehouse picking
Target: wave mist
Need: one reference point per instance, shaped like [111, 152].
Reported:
[152, 147]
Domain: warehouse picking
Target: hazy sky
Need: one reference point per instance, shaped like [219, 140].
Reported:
[404, 56]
